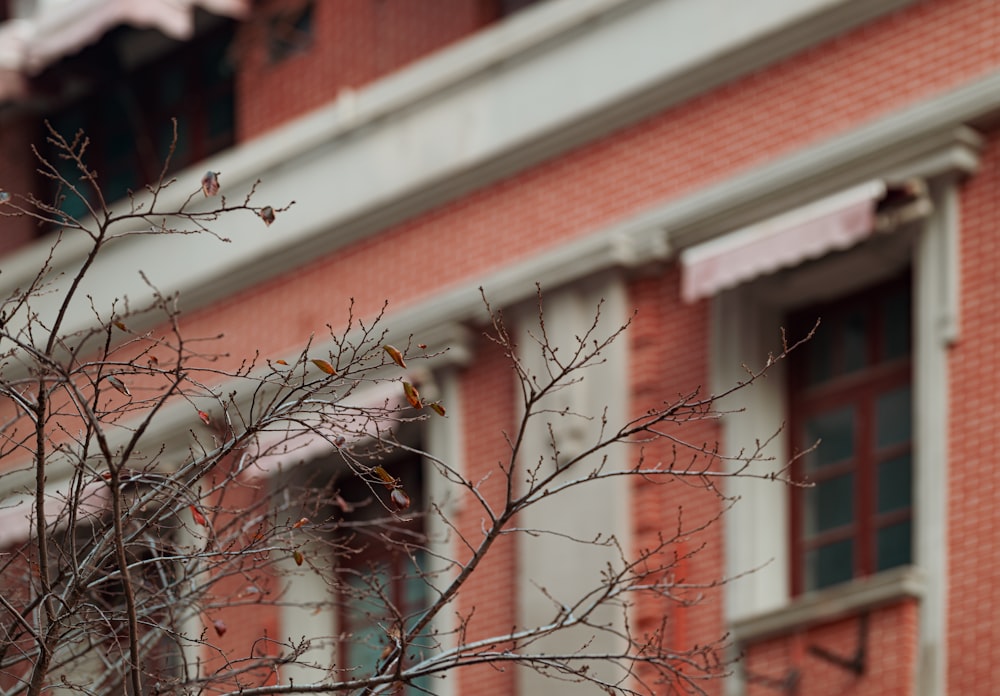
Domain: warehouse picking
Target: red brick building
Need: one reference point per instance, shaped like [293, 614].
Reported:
[723, 168]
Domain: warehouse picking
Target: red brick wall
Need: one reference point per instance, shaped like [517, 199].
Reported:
[896, 61]
[668, 352]
[890, 657]
[487, 393]
[707, 139]
[353, 43]
[973, 474]
[18, 178]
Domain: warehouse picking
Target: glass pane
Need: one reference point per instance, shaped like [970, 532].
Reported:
[835, 429]
[855, 341]
[829, 565]
[171, 87]
[818, 353]
[893, 416]
[362, 612]
[893, 546]
[829, 504]
[895, 484]
[221, 117]
[896, 324]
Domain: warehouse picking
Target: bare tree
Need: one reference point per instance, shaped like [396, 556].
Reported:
[134, 548]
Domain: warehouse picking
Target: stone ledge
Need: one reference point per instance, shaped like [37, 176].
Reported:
[831, 604]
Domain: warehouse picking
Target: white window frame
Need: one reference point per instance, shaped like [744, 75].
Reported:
[746, 325]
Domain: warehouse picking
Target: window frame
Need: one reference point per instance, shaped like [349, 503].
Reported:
[858, 388]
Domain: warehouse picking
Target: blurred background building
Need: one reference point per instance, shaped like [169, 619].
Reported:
[725, 168]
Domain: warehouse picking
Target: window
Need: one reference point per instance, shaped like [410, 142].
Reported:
[129, 99]
[93, 651]
[380, 585]
[289, 33]
[850, 395]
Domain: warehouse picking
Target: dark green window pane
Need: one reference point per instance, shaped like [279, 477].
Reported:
[893, 544]
[363, 610]
[855, 341]
[893, 416]
[217, 61]
[171, 87]
[896, 324]
[829, 504]
[829, 565]
[835, 430]
[895, 484]
[221, 116]
[819, 355]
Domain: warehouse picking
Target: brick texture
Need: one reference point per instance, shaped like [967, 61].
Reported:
[897, 61]
[354, 42]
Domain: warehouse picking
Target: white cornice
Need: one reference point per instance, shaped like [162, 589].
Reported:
[910, 143]
[558, 75]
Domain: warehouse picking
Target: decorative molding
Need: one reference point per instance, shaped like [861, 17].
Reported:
[905, 145]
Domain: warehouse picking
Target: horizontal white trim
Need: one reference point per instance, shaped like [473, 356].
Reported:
[829, 605]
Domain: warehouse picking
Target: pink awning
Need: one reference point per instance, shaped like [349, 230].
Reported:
[57, 29]
[834, 223]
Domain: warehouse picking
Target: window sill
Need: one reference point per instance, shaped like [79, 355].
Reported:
[831, 604]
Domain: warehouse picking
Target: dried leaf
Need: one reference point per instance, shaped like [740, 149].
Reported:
[220, 627]
[119, 385]
[301, 523]
[205, 418]
[399, 499]
[394, 353]
[121, 325]
[386, 477]
[267, 215]
[422, 346]
[299, 558]
[412, 395]
[210, 183]
[198, 517]
[324, 366]
[153, 362]
[280, 362]
[437, 408]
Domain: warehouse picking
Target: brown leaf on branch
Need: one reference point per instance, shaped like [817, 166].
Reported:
[324, 366]
[267, 215]
[205, 418]
[119, 385]
[386, 477]
[399, 499]
[299, 558]
[412, 395]
[394, 353]
[210, 183]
